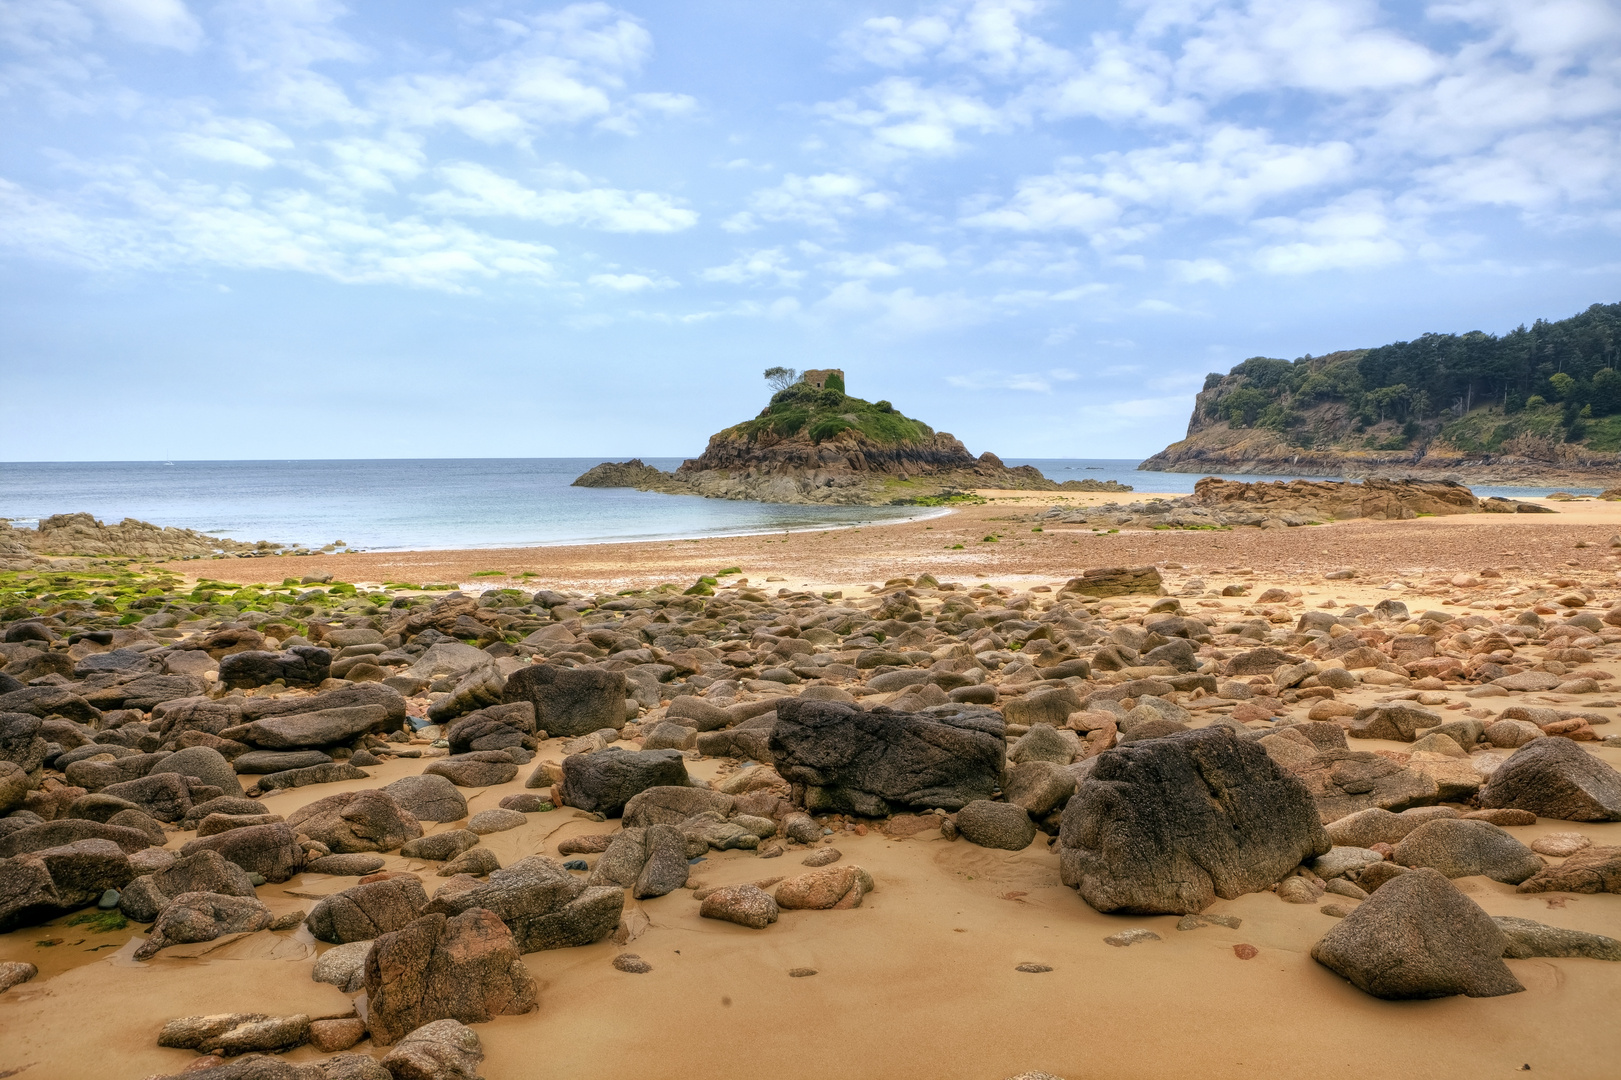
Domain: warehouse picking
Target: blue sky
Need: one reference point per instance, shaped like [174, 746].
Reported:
[298, 228]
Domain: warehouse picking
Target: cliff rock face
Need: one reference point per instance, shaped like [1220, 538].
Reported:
[1539, 405]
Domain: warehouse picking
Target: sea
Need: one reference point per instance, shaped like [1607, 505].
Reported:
[442, 504]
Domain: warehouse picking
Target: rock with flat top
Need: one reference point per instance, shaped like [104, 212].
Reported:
[1555, 778]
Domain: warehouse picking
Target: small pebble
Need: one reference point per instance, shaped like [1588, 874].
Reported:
[1131, 937]
[822, 857]
[576, 864]
[800, 973]
[1032, 969]
[109, 900]
[1245, 952]
[1338, 911]
[632, 963]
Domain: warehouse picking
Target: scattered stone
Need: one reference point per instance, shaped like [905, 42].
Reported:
[1555, 778]
[497, 820]
[331, 1036]
[746, 905]
[345, 865]
[1462, 848]
[822, 857]
[831, 888]
[465, 968]
[996, 825]
[1591, 870]
[1127, 938]
[632, 964]
[1033, 969]
[368, 910]
[442, 1050]
[1560, 844]
[15, 973]
[229, 1034]
[355, 821]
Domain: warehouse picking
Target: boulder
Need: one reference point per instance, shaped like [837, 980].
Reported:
[1398, 720]
[347, 697]
[1343, 782]
[40, 885]
[1555, 778]
[494, 728]
[827, 889]
[203, 764]
[270, 851]
[1375, 825]
[368, 911]
[201, 871]
[1043, 742]
[605, 781]
[330, 772]
[345, 865]
[50, 834]
[15, 785]
[438, 847]
[569, 701]
[264, 762]
[1528, 938]
[164, 796]
[1039, 786]
[841, 758]
[495, 820]
[1116, 581]
[1417, 936]
[302, 665]
[996, 825]
[1591, 870]
[1462, 848]
[481, 686]
[318, 727]
[1167, 825]
[545, 906]
[464, 967]
[429, 798]
[353, 821]
[442, 1050]
[229, 1034]
[343, 966]
[483, 768]
[674, 805]
[203, 916]
[745, 905]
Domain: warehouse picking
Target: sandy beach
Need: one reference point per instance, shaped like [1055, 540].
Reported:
[919, 982]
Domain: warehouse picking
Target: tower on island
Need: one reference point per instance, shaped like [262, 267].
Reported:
[818, 377]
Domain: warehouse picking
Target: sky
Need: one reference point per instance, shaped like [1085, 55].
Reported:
[305, 229]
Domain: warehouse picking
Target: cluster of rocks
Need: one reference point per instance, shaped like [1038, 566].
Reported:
[1217, 503]
[83, 535]
[1173, 761]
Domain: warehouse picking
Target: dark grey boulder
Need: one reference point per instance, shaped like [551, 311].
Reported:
[368, 911]
[302, 665]
[996, 825]
[1167, 825]
[345, 865]
[429, 797]
[480, 687]
[1556, 778]
[673, 805]
[1039, 786]
[21, 741]
[1417, 936]
[605, 781]
[145, 692]
[204, 916]
[545, 906]
[570, 701]
[840, 758]
[43, 701]
[347, 697]
[200, 871]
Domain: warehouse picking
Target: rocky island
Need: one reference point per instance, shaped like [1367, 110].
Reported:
[815, 444]
[1538, 405]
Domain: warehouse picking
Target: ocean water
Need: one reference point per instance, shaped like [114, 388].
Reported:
[449, 503]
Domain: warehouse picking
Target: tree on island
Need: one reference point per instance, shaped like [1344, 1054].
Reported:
[780, 378]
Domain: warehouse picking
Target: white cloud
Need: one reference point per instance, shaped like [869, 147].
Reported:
[375, 164]
[1030, 382]
[206, 225]
[479, 191]
[905, 117]
[986, 35]
[1195, 271]
[755, 266]
[165, 23]
[1352, 233]
[629, 282]
[902, 311]
[818, 201]
[230, 141]
[1540, 171]
[891, 261]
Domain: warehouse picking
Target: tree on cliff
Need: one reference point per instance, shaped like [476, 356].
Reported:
[780, 378]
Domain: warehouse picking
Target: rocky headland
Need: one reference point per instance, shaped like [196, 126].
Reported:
[82, 536]
[817, 445]
[1539, 406]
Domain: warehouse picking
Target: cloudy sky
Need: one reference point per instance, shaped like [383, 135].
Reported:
[299, 228]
